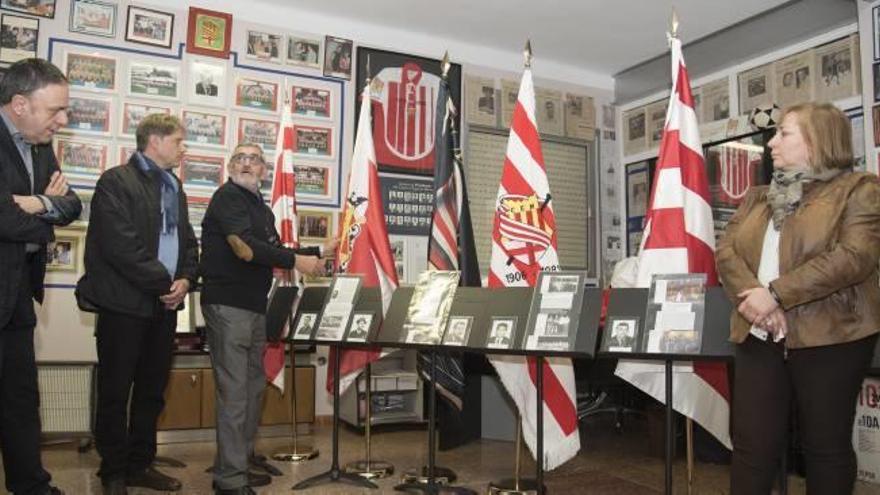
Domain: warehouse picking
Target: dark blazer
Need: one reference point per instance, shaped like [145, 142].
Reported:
[18, 228]
[123, 272]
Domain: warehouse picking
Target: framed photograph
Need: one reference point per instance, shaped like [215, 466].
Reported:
[549, 111]
[409, 203]
[620, 334]
[338, 307]
[305, 324]
[259, 131]
[637, 193]
[359, 329]
[255, 94]
[264, 46]
[305, 52]
[429, 307]
[197, 206]
[81, 158]
[207, 83]
[89, 114]
[93, 17]
[153, 80]
[133, 113]
[150, 27]
[311, 102]
[337, 57]
[480, 101]
[458, 330]
[202, 170]
[875, 16]
[312, 180]
[203, 128]
[124, 153]
[209, 33]
[313, 140]
[40, 8]
[91, 72]
[675, 313]
[501, 332]
[62, 253]
[18, 38]
[315, 225]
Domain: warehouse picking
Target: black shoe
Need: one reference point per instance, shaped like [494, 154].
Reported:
[114, 487]
[154, 480]
[245, 490]
[51, 490]
[261, 464]
[258, 479]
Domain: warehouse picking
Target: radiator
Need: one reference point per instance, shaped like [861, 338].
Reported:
[66, 397]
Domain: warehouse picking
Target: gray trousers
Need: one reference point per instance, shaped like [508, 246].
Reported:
[236, 340]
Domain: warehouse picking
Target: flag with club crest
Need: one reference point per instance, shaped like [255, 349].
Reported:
[363, 244]
[679, 237]
[524, 244]
[283, 203]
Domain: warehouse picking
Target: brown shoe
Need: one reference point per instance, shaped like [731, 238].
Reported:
[154, 480]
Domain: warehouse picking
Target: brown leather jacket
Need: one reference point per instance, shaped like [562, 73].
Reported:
[828, 260]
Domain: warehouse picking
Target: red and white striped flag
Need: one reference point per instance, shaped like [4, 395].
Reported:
[284, 207]
[679, 237]
[363, 246]
[523, 244]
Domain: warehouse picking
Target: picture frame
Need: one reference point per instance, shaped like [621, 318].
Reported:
[149, 27]
[89, 114]
[312, 180]
[205, 128]
[305, 326]
[338, 53]
[338, 307]
[148, 79]
[81, 158]
[875, 23]
[429, 307]
[313, 141]
[39, 8]
[91, 72]
[197, 206]
[202, 171]
[304, 52]
[62, 254]
[621, 334]
[264, 46]
[262, 132]
[19, 37]
[256, 94]
[134, 112]
[458, 330]
[315, 225]
[360, 326]
[209, 33]
[124, 152]
[94, 17]
[206, 82]
[502, 332]
[312, 102]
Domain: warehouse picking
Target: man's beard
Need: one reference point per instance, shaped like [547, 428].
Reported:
[249, 182]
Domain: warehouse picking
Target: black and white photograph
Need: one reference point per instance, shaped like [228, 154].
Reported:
[133, 113]
[62, 254]
[338, 307]
[480, 106]
[91, 72]
[261, 132]
[756, 87]
[94, 17]
[18, 38]
[501, 332]
[634, 131]
[202, 170]
[311, 102]
[205, 128]
[89, 114]
[313, 141]
[207, 83]
[637, 197]
[619, 334]
[305, 52]
[549, 112]
[359, 329]
[458, 330]
[147, 79]
[429, 307]
[150, 27]
[305, 325]
[337, 57]
[836, 76]
[560, 283]
[264, 46]
[40, 8]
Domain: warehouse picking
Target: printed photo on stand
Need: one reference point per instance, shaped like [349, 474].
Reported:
[501, 333]
[458, 330]
[620, 334]
[359, 328]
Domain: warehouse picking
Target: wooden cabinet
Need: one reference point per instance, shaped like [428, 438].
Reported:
[276, 406]
[183, 400]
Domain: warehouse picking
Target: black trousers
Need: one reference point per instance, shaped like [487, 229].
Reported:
[134, 358]
[822, 383]
[20, 399]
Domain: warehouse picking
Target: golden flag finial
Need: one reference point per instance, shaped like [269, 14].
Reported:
[445, 65]
[527, 54]
[673, 24]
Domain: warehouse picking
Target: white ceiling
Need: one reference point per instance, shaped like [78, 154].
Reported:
[599, 36]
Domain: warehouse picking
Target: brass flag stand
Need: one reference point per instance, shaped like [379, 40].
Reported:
[367, 467]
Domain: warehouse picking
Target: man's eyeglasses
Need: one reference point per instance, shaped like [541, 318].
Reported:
[248, 157]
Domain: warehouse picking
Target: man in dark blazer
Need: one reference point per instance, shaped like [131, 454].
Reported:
[141, 259]
[34, 196]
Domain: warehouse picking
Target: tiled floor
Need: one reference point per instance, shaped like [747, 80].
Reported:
[609, 463]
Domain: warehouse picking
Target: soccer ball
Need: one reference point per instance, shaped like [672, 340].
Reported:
[765, 116]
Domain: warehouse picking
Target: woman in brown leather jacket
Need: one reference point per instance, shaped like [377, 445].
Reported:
[800, 261]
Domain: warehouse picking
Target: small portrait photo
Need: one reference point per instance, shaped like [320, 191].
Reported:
[40, 8]
[311, 102]
[312, 140]
[264, 46]
[620, 334]
[486, 101]
[801, 77]
[304, 52]
[90, 115]
[151, 80]
[757, 86]
[207, 83]
[501, 332]
[150, 27]
[256, 95]
[205, 128]
[636, 127]
[638, 198]
[304, 326]
[359, 328]
[134, 113]
[94, 17]
[337, 57]
[315, 224]
[458, 330]
[61, 254]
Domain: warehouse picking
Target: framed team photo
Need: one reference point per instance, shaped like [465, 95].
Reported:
[337, 57]
[90, 72]
[315, 225]
[264, 46]
[207, 82]
[312, 180]
[147, 79]
[209, 33]
[202, 170]
[81, 158]
[203, 128]
[124, 152]
[304, 52]
[89, 115]
[311, 102]
[261, 132]
[62, 253]
[133, 113]
[255, 94]
[313, 141]
[40, 8]
[93, 17]
[149, 27]
[18, 38]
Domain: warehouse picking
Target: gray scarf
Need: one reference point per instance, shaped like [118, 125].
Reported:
[787, 189]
